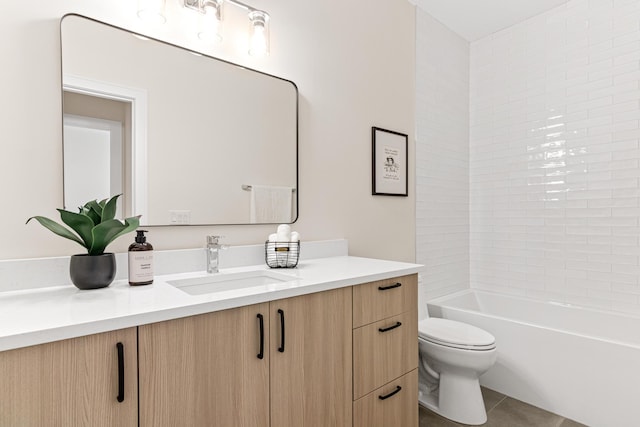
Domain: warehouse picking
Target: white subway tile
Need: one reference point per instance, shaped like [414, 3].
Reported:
[613, 184]
[633, 114]
[442, 152]
[619, 162]
[611, 221]
[591, 194]
[630, 37]
[590, 104]
[625, 231]
[588, 213]
[612, 259]
[626, 134]
[633, 105]
[626, 192]
[553, 158]
[627, 269]
[626, 251]
[589, 266]
[630, 95]
[626, 212]
[625, 307]
[625, 23]
[589, 231]
[621, 277]
[589, 122]
[625, 288]
[630, 78]
[616, 90]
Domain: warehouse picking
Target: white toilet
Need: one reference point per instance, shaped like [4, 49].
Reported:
[453, 355]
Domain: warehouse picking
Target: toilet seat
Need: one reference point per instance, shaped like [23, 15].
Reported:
[454, 334]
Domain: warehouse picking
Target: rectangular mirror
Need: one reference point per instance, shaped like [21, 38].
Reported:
[187, 138]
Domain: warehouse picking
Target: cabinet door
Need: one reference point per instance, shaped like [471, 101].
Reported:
[311, 373]
[393, 404]
[385, 298]
[204, 370]
[384, 350]
[74, 382]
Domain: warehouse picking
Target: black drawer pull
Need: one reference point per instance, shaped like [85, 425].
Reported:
[281, 348]
[120, 348]
[261, 353]
[386, 288]
[397, 325]
[386, 396]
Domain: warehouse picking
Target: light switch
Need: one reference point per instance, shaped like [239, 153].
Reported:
[179, 217]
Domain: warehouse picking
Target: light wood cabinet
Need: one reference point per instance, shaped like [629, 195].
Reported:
[74, 382]
[385, 353]
[311, 378]
[382, 353]
[378, 300]
[393, 404]
[204, 370]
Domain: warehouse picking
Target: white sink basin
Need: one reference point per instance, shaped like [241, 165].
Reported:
[220, 282]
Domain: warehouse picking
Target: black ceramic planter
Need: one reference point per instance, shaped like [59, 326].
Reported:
[92, 271]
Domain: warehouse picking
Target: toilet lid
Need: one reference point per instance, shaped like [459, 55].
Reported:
[455, 334]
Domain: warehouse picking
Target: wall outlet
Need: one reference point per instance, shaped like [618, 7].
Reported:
[179, 217]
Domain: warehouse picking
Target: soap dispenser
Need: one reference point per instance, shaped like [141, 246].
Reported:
[140, 261]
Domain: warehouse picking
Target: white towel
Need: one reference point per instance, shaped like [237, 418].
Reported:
[270, 204]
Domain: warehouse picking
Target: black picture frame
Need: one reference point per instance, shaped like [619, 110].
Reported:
[390, 161]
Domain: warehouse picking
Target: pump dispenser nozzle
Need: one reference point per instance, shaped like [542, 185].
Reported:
[140, 237]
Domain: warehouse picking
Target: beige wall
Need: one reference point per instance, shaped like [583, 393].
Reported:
[353, 64]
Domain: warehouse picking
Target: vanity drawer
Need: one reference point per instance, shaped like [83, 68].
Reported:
[384, 298]
[384, 350]
[394, 404]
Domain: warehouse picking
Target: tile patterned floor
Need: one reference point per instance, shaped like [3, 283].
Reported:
[503, 411]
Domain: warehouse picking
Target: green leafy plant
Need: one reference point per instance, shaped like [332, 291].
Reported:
[94, 225]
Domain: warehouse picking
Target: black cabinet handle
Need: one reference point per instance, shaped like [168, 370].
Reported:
[281, 348]
[120, 347]
[386, 288]
[397, 325]
[261, 318]
[386, 396]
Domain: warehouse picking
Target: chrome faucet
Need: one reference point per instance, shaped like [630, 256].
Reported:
[213, 253]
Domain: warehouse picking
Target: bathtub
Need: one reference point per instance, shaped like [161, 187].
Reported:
[580, 363]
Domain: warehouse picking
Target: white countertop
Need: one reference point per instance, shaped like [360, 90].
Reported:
[49, 314]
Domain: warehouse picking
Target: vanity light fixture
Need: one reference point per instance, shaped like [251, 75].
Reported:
[211, 19]
[152, 11]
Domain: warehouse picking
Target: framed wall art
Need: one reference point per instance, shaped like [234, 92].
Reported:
[390, 160]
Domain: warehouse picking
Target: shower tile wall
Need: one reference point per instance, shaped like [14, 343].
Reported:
[555, 159]
[442, 158]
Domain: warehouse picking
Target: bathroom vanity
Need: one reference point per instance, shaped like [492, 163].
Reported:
[334, 346]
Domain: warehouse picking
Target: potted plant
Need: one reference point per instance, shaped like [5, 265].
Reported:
[94, 227]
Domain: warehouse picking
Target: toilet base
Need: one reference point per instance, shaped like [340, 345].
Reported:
[461, 399]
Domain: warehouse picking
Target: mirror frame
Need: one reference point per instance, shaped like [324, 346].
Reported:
[143, 141]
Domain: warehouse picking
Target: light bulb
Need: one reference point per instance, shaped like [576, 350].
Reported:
[259, 40]
[210, 22]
